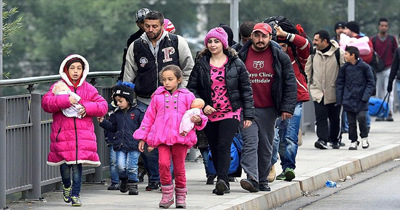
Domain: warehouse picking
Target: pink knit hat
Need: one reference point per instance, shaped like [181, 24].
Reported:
[169, 26]
[218, 33]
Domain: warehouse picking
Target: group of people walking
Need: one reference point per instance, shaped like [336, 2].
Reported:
[256, 87]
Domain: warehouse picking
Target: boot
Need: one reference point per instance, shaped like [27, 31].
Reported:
[167, 196]
[180, 194]
[133, 187]
[272, 174]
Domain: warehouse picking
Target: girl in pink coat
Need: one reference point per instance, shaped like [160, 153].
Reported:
[73, 141]
[160, 128]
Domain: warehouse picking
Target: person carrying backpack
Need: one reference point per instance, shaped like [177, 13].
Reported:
[385, 45]
[286, 139]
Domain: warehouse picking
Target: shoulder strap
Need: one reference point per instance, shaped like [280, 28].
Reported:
[337, 55]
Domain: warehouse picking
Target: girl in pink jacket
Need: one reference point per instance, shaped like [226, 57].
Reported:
[160, 128]
[73, 141]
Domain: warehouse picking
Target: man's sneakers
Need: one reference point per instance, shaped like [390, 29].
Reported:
[221, 187]
[320, 144]
[286, 175]
[336, 145]
[281, 176]
[389, 118]
[264, 187]
[113, 186]
[210, 179]
[249, 185]
[272, 174]
[67, 194]
[76, 201]
[353, 145]
[364, 143]
[289, 174]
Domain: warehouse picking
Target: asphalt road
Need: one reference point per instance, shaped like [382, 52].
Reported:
[378, 188]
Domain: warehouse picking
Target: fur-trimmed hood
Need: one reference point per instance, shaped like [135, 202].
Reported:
[85, 72]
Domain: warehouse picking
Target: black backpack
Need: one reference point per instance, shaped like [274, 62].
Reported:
[377, 63]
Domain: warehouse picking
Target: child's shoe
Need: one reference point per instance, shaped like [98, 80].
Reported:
[76, 201]
[272, 174]
[353, 145]
[153, 186]
[133, 187]
[281, 176]
[67, 194]
[123, 186]
[364, 143]
[167, 196]
[113, 186]
[180, 194]
[289, 174]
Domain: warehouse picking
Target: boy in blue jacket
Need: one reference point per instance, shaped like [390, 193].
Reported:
[123, 122]
[354, 86]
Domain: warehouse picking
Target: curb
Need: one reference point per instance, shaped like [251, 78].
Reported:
[311, 181]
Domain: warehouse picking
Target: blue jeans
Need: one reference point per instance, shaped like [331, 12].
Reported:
[113, 169]
[127, 164]
[398, 87]
[286, 140]
[65, 171]
[204, 154]
[150, 159]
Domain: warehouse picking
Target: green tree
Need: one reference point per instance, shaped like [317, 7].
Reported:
[8, 29]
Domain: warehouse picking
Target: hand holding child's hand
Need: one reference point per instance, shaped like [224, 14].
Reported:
[100, 119]
[141, 146]
[72, 100]
[195, 119]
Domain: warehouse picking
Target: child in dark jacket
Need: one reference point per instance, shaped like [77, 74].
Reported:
[123, 122]
[354, 86]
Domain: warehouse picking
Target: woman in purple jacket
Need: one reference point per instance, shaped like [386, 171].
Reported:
[73, 141]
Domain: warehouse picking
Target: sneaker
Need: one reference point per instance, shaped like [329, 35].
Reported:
[76, 201]
[289, 174]
[264, 187]
[281, 176]
[364, 143]
[210, 179]
[153, 186]
[342, 144]
[231, 179]
[380, 119]
[249, 185]
[123, 186]
[353, 145]
[67, 194]
[320, 144]
[336, 145]
[389, 118]
[221, 187]
[272, 174]
[113, 186]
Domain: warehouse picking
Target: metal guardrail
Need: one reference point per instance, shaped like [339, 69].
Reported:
[25, 140]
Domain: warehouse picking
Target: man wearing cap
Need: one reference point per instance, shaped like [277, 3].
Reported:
[385, 46]
[339, 29]
[145, 57]
[275, 95]
[140, 24]
[322, 70]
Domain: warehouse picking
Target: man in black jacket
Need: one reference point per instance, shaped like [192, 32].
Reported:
[275, 95]
[140, 14]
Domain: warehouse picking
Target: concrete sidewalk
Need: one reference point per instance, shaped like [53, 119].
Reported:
[314, 168]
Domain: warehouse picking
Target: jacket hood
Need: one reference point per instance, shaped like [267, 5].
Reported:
[84, 73]
[144, 36]
[161, 90]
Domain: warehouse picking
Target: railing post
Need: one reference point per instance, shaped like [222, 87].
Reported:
[3, 154]
[36, 192]
[98, 175]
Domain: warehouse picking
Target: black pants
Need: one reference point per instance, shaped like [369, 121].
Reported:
[328, 132]
[352, 118]
[220, 136]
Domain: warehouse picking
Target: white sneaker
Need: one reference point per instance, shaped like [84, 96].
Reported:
[364, 143]
[353, 145]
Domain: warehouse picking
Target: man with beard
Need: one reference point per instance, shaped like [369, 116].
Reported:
[322, 70]
[146, 56]
[275, 95]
